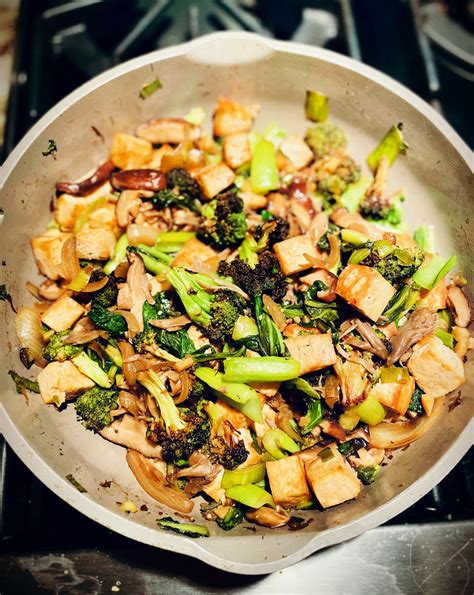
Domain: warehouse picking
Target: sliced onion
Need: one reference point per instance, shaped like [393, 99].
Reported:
[131, 403]
[152, 406]
[275, 312]
[185, 387]
[142, 233]
[357, 359]
[333, 257]
[33, 289]
[401, 433]
[132, 322]
[29, 333]
[129, 370]
[87, 212]
[153, 482]
[69, 260]
[171, 324]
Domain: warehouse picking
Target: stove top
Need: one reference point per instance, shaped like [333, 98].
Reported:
[62, 44]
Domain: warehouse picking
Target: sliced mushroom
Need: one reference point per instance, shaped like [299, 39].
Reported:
[131, 433]
[168, 130]
[268, 517]
[297, 191]
[367, 458]
[457, 301]
[354, 221]
[101, 175]
[127, 207]
[372, 342]
[138, 286]
[318, 227]
[332, 428]
[139, 179]
[421, 322]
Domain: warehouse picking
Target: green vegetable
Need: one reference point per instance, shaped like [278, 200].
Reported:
[354, 237]
[56, 350]
[270, 336]
[92, 369]
[244, 327]
[250, 474]
[150, 88]
[274, 133]
[168, 410]
[431, 273]
[321, 311]
[178, 343]
[239, 396]
[402, 301]
[188, 529]
[277, 443]
[107, 296]
[302, 386]
[52, 148]
[447, 338]
[425, 238]
[445, 319]
[86, 213]
[394, 264]
[348, 420]
[370, 411]
[326, 454]
[152, 263]
[114, 353]
[114, 324]
[261, 369]
[394, 374]
[224, 223]
[248, 251]
[168, 198]
[324, 138]
[354, 193]
[196, 115]
[119, 255]
[263, 168]
[358, 255]
[317, 106]
[250, 495]
[314, 416]
[351, 447]
[367, 474]
[22, 384]
[390, 146]
[415, 403]
[233, 517]
[94, 407]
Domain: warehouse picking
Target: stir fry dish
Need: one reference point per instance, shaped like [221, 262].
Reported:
[245, 313]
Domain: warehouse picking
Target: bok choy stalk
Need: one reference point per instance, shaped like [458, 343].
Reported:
[263, 169]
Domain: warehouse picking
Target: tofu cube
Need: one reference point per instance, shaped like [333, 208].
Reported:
[173, 131]
[436, 298]
[60, 380]
[69, 207]
[365, 289]
[214, 178]
[436, 368]
[62, 314]
[333, 481]
[237, 419]
[297, 151]
[47, 252]
[396, 395]
[95, 243]
[288, 481]
[104, 217]
[231, 117]
[193, 254]
[314, 352]
[236, 149]
[290, 254]
[428, 402]
[158, 155]
[253, 202]
[130, 152]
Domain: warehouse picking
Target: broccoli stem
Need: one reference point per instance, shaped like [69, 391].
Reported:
[431, 273]
[390, 146]
[250, 474]
[261, 369]
[276, 442]
[250, 495]
[92, 369]
[425, 238]
[196, 301]
[175, 237]
[155, 386]
[119, 255]
[317, 106]
[354, 193]
[263, 169]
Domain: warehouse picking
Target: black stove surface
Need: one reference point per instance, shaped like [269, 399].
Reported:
[62, 44]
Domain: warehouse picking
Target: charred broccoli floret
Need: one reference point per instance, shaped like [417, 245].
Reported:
[224, 221]
[216, 312]
[233, 517]
[229, 456]
[278, 229]
[187, 188]
[335, 183]
[397, 265]
[56, 350]
[107, 296]
[324, 138]
[178, 445]
[265, 277]
[375, 206]
[94, 406]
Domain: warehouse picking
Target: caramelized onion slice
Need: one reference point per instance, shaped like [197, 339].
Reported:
[30, 336]
[69, 260]
[154, 483]
[401, 433]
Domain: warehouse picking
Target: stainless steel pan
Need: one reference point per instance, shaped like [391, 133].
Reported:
[436, 176]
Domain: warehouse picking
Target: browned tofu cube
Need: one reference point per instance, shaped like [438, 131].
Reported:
[332, 480]
[47, 252]
[130, 152]
[290, 254]
[62, 314]
[297, 151]
[436, 368]
[60, 380]
[435, 299]
[231, 117]
[158, 155]
[193, 254]
[160, 131]
[428, 402]
[288, 481]
[68, 207]
[104, 217]
[237, 149]
[95, 243]
[215, 178]
[253, 202]
[314, 352]
[365, 289]
[237, 419]
[396, 395]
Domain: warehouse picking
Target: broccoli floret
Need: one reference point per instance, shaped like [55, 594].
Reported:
[94, 406]
[324, 138]
[276, 230]
[56, 350]
[225, 223]
[396, 266]
[168, 198]
[179, 179]
[334, 184]
[233, 517]
[178, 343]
[178, 445]
[231, 455]
[367, 474]
[375, 206]
[265, 277]
[216, 312]
[114, 324]
[197, 393]
[107, 296]
[415, 404]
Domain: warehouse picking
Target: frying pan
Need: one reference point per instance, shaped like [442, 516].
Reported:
[437, 179]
